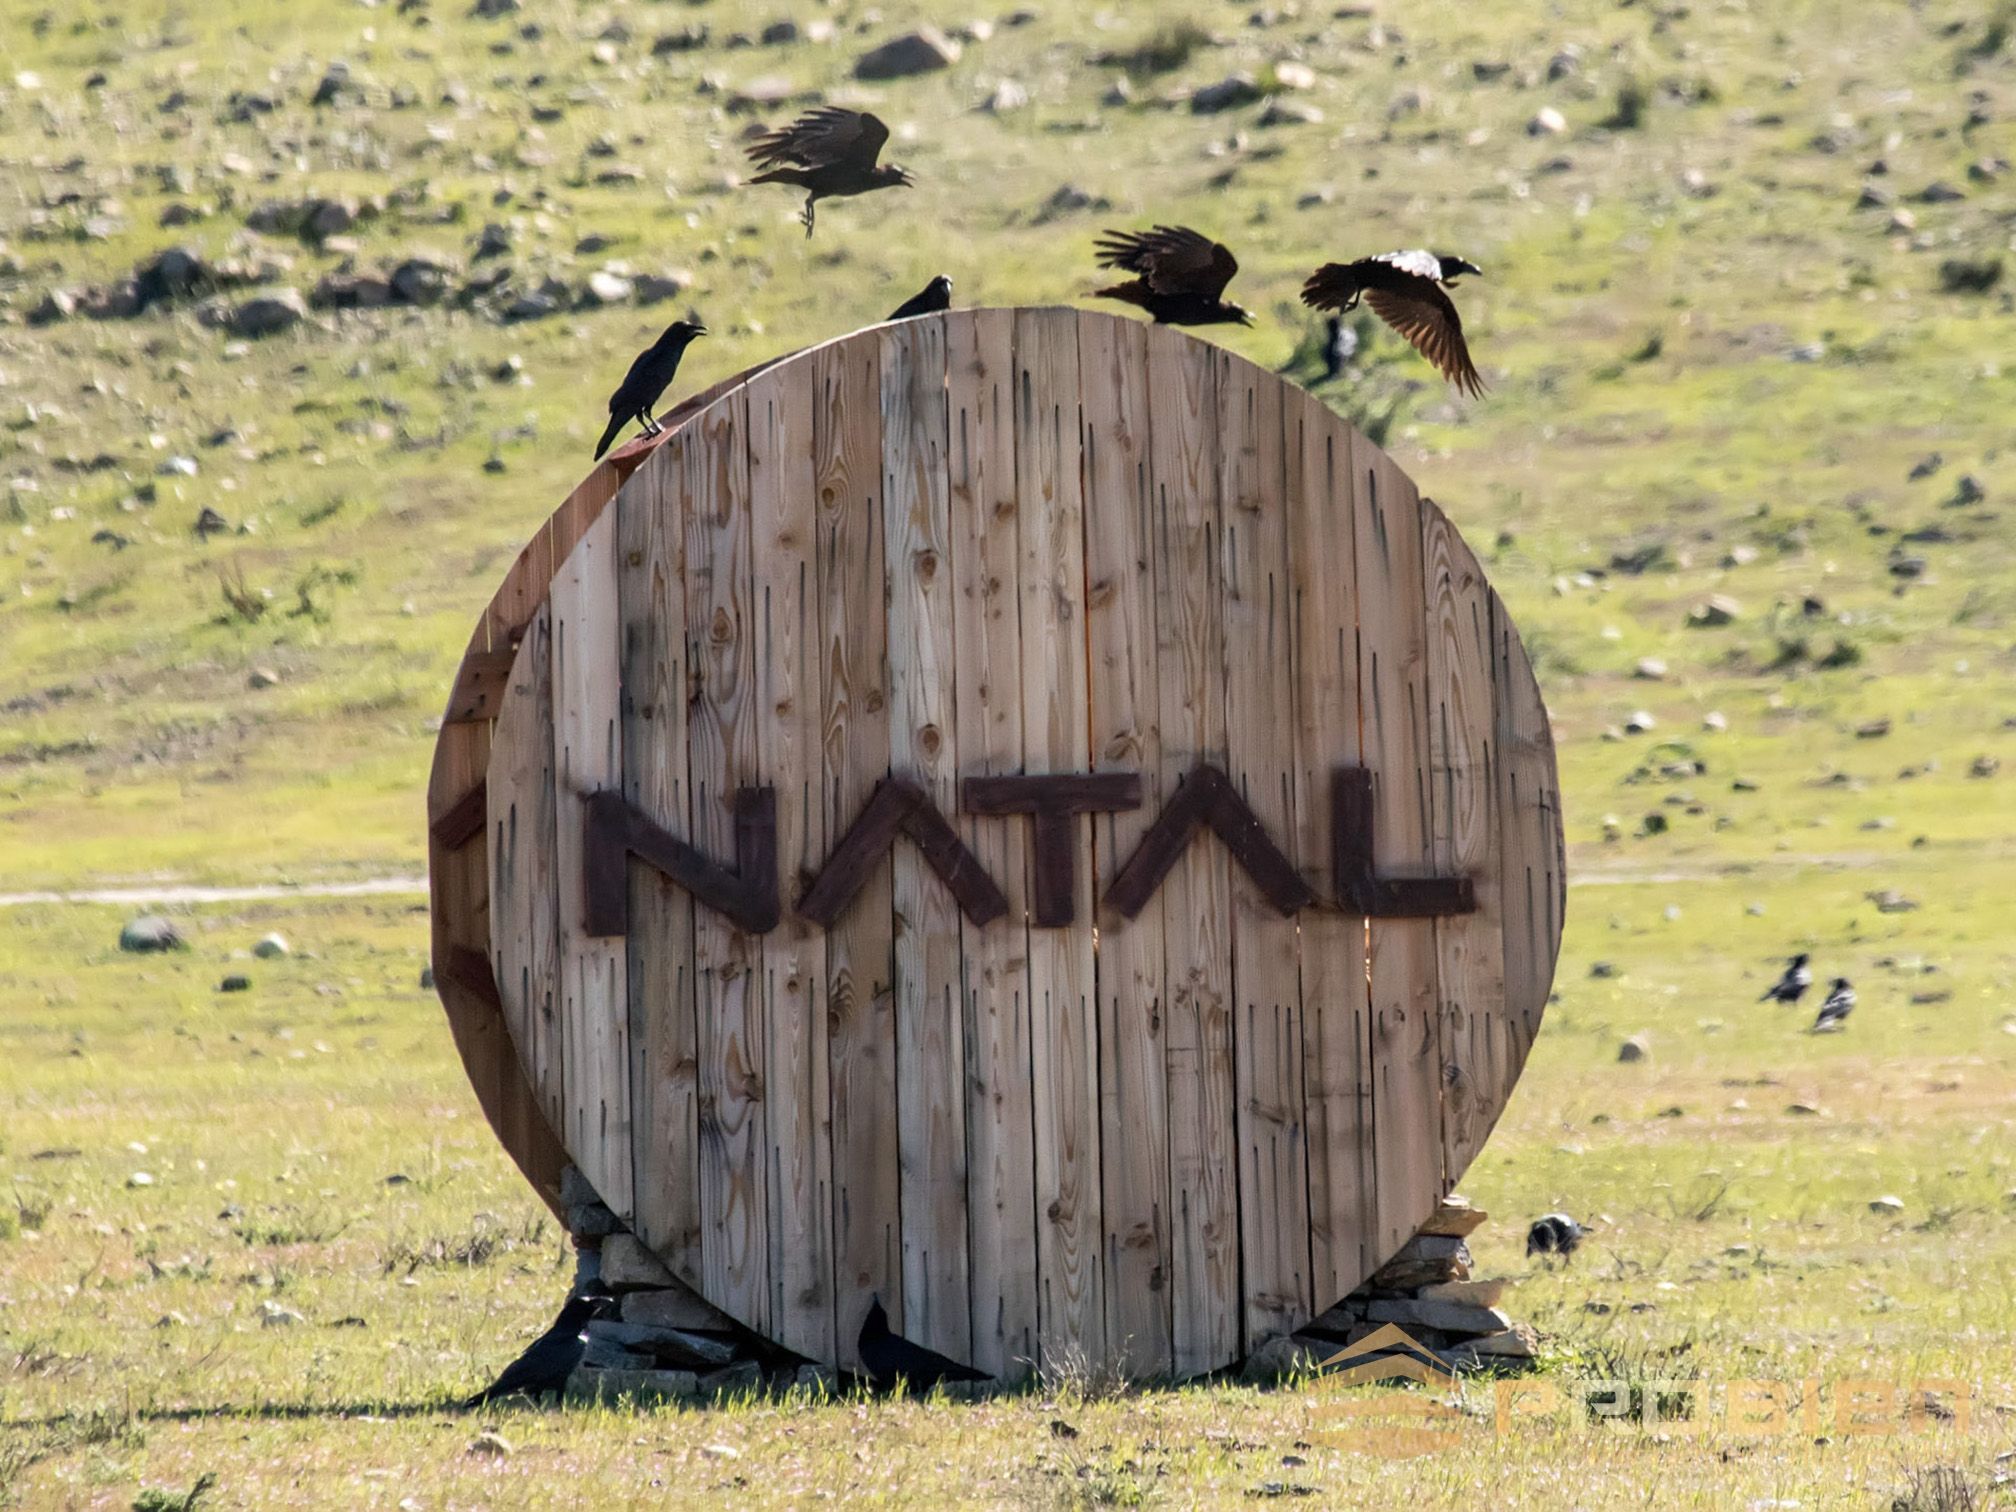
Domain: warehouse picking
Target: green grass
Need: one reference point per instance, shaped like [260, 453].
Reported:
[1695, 342]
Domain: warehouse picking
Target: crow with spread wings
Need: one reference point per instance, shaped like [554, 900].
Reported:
[1180, 275]
[1405, 289]
[830, 153]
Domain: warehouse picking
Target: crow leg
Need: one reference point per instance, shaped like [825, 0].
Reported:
[810, 201]
[651, 425]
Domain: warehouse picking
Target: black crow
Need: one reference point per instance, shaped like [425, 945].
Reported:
[1556, 1234]
[1181, 275]
[1792, 986]
[649, 376]
[830, 153]
[1405, 290]
[889, 1357]
[1834, 1012]
[929, 300]
[553, 1355]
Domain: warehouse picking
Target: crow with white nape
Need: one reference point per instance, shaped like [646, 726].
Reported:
[1556, 1234]
[1792, 986]
[1835, 1010]
[649, 376]
[1405, 289]
[890, 1358]
[546, 1365]
[934, 298]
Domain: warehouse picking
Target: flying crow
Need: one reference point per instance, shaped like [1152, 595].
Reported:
[553, 1355]
[1405, 290]
[1556, 1234]
[649, 376]
[889, 1357]
[829, 153]
[1792, 986]
[929, 300]
[1181, 275]
[1834, 1012]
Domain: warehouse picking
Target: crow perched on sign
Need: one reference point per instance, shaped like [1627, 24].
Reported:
[649, 376]
[553, 1355]
[929, 300]
[1792, 986]
[1405, 289]
[1834, 1012]
[1182, 275]
[890, 1357]
[830, 153]
[1556, 1234]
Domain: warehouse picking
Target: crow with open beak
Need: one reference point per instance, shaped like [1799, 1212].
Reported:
[649, 376]
[830, 153]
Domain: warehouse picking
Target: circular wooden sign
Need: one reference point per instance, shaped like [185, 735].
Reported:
[1019, 813]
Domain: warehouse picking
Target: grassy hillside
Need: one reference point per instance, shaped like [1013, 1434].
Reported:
[1739, 346]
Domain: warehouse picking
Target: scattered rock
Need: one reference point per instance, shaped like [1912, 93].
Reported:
[606, 288]
[675, 1306]
[1939, 192]
[268, 314]
[1886, 1205]
[1890, 901]
[491, 1445]
[1547, 121]
[1636, 1048]
[628, 1265]
[1640, 723]
[739, 1379]
[236, 982]
[1455, 1317]
[1008, 95]
[1649, 669]
[1280, 112]
[1068, 199]
[1715, 610]
[1291, 75]
[151, 932]
[1227, 94]
[274, 1315]
[421, 280]
[591, 1220]
[1968, 490]
[925, 50]
[271, 947]
[140, 1179]
[1984, 766]
[263, 677]
[490, 9]
[1281, 1358]
[670, 1346]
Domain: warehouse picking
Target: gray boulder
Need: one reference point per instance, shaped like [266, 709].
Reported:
[149, 933]
[268, 314]
[925, 50]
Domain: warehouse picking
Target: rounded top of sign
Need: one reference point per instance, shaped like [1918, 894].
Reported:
[965, 816]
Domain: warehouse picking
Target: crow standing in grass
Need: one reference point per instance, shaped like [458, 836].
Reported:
[889, 1357]
[1405, 289]
[929, 300]
[830, 153]
[1556, 1234]
[553, 1355]
[649, 376]
[1834, 1012]
[1181, 275]
[1792, 986]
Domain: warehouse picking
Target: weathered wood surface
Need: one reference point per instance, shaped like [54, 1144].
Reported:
[1003, 544]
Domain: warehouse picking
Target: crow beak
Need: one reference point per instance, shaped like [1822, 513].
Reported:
[1245, 317]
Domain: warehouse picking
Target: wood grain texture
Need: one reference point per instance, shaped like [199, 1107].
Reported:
[594, 998]
[783, 505]
[1055, 738]
[664, 1025]
[854, 732]
[1463, 798]
[1533, 873]
[1255, 579]
[1405, 990]
[986, 612]
[1126, 737]
[723, 754]
[923, 744]
[1196, 897]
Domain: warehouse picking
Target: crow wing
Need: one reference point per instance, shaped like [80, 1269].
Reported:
[1417, 308]
[1171, 259]
[828, 137]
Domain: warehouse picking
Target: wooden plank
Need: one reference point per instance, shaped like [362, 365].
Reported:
[1393, 674]
[1260, 730]
[1121, 694]
[1064, 1047]
[664, 1026]
[722, 755]
[854, 729]
[931, 1133]
[1463, 792]
[783, 507]
[1337, 1064]
[1196, 898]
[986, 613]
[1532, 868]
[594, 999]
[479, 686]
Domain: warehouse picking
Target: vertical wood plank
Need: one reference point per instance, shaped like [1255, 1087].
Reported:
[1120, 629]
[986, 568]
[1463, 792]
[664, 1027]
[723, 755]
[1532, 868]
[1055, 738]
[847, 441]
[1337, 1069]
[1189, 654]
[588, 758]
[937, 1302]
[1393, 671]
[784, 510]
[1260, 730]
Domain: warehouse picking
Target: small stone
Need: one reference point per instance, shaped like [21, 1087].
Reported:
[1717, 609]
[628, 1265]
[1292, 75]
[426, 978]
[606, 288]
[606, 1354]
[925, 50]
[268, 314]
[1636, 1048]
[815, 1380]
[1939, 192]
[1281, 1358]
[1008, 95]
[735, 1380]
[1451, 1317]
[670, 1346]
[140, 1179]
[151, 932]
[1547, 121]
[1649, 669]
[273, 1315]
[1281, 112]
[1886, 1205]
[1715, 720]
[1984, 766]
[1967, 491]
[271, 947]
[236, 982]
[1639, 723]
[675, 1306]
[263, 677]
[655, 288]
[1228, 93]
[575, 1188]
